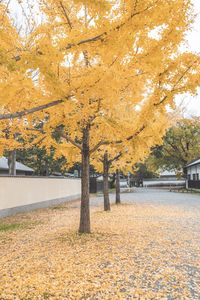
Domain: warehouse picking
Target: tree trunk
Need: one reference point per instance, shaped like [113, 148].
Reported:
[12, 162]
[46, 168]
[106, 182]
[118, 200]
[85, 176]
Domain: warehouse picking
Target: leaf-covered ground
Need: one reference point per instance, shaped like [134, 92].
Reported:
[138, 251]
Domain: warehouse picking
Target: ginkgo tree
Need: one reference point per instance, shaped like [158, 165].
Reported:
[181, 144]
[88, 57]
[121, 155]
[18, 90]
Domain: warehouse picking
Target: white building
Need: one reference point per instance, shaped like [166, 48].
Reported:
[168, 174]
[166, 179]
[193, 173]
[193, 170]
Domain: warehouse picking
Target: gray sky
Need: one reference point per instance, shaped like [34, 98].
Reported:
[190, 105]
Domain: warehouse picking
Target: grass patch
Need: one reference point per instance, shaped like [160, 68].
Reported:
[194, 191]
[190, 191]
[5, 227]
[10, 227]
[59, 207]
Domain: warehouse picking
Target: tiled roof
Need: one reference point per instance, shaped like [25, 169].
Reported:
[194, 162]
[168, 173]
[19, 166]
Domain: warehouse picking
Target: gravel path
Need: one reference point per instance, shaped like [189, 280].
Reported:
[155, 196]
[148, 248]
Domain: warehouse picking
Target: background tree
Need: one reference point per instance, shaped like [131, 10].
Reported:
[141, 171]
[123, 154]
[43, 163]
[181, 144]
[89, 57]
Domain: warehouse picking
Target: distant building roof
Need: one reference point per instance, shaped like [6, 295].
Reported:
[193, 162]
[167, 173]
[19, 166]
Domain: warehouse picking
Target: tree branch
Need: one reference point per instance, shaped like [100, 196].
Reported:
[26, 112]
[104, 143]
[175, 85]
[115, 158]
[98, 145]
[66, 15]
[69, 139]
[136, 133]
[102, 36]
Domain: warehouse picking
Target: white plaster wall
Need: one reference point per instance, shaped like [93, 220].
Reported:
[20, 191]
[163, 182]
[193, 170]
[198, 169]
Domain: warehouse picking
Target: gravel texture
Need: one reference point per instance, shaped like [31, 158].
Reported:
[146, 248]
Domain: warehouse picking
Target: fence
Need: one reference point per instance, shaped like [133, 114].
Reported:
[18, 194]
[192, 184]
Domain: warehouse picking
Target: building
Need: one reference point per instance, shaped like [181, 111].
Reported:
[168, 175]
[20, 168]
[193, 173]
[166, 179]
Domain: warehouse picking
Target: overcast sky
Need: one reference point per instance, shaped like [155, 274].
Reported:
[191, 105]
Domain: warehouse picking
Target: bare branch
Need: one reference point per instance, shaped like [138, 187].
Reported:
[103, 35]
[30, 111]
[175, 85]
[133, 135]
[101, 143]
[104, 143]
[26, 112]
[69, 139]
[66, 15]
[115, 158]
[86, 58]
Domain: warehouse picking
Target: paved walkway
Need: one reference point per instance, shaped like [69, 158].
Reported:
[155, 196]
[148, 248]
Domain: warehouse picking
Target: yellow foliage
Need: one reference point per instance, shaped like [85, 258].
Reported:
[140, 251]
[113, 66]
[100, 58]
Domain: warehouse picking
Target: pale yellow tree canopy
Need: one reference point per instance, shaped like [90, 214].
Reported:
[99, 59]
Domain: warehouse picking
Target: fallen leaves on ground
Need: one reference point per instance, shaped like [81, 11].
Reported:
[137, 251]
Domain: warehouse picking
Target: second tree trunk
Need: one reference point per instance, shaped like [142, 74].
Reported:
[117, 186]
[106, 182]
